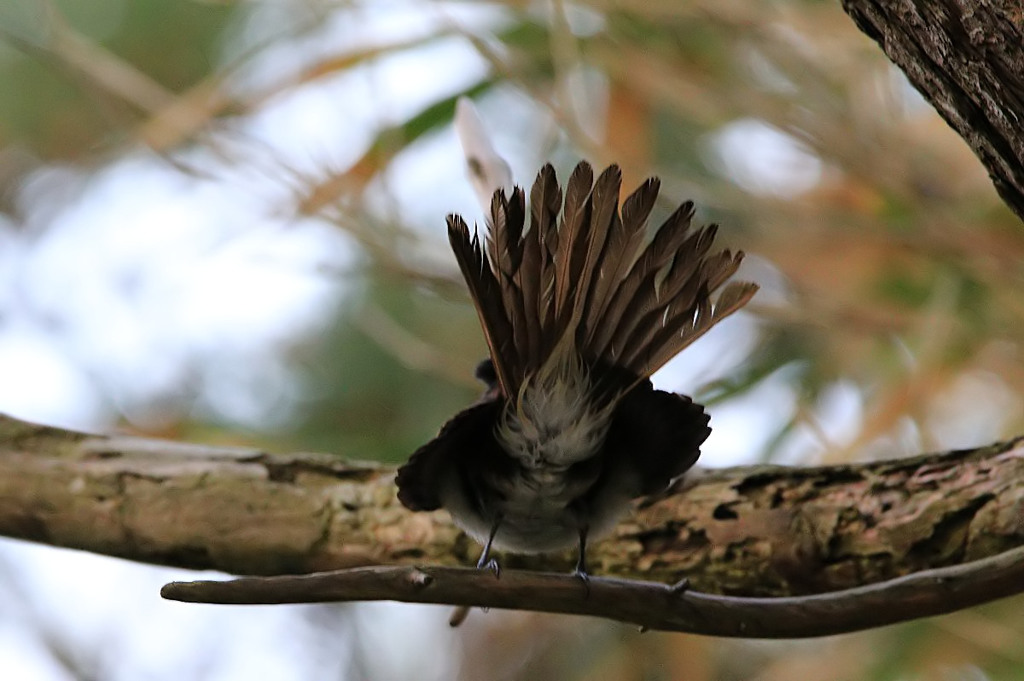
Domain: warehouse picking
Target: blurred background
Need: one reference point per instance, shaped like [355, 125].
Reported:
[224, 222]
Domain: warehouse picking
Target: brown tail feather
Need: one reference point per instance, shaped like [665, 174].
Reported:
[637, 293]
[576, 229]
[485, 290]
[667, 344]
[677, 302]
[586, 281]
[505, 244]
[545, 202]
[621, 245]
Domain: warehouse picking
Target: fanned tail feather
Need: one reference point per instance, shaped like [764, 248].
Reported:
[485, 290]
[622, 246]
[506, 247]
[587, 282]
[685, 284]
[545, 202]
[637, 293]
[574, 237]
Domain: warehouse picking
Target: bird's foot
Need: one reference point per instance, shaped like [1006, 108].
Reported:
[582, 575]
[680, 587]
[487, 563]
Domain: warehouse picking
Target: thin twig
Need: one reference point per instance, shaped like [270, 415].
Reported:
[650, 605]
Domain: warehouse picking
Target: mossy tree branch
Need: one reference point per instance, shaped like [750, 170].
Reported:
[764, 531]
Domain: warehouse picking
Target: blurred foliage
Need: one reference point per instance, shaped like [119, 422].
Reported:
[64, 60]
[895, 270]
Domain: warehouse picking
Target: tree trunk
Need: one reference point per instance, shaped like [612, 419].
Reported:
[967, 58]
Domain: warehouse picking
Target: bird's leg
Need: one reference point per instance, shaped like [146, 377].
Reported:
[581, 560]
[460, 613]
[485, 558]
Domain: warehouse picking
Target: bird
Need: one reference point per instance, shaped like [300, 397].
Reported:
[578, 309]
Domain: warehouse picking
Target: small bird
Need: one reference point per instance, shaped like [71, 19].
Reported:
[578, 311]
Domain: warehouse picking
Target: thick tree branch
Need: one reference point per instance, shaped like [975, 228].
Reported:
[752, 531]
[967, 58]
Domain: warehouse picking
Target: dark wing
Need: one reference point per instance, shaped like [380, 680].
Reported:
[658, 433]
[465, 440]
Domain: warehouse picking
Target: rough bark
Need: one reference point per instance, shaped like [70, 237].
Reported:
[967, 58]
[755, 531]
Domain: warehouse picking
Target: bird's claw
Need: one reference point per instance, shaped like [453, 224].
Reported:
[583, 577]
[492, 565]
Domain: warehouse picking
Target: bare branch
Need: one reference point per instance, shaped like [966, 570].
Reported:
[649, 605]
